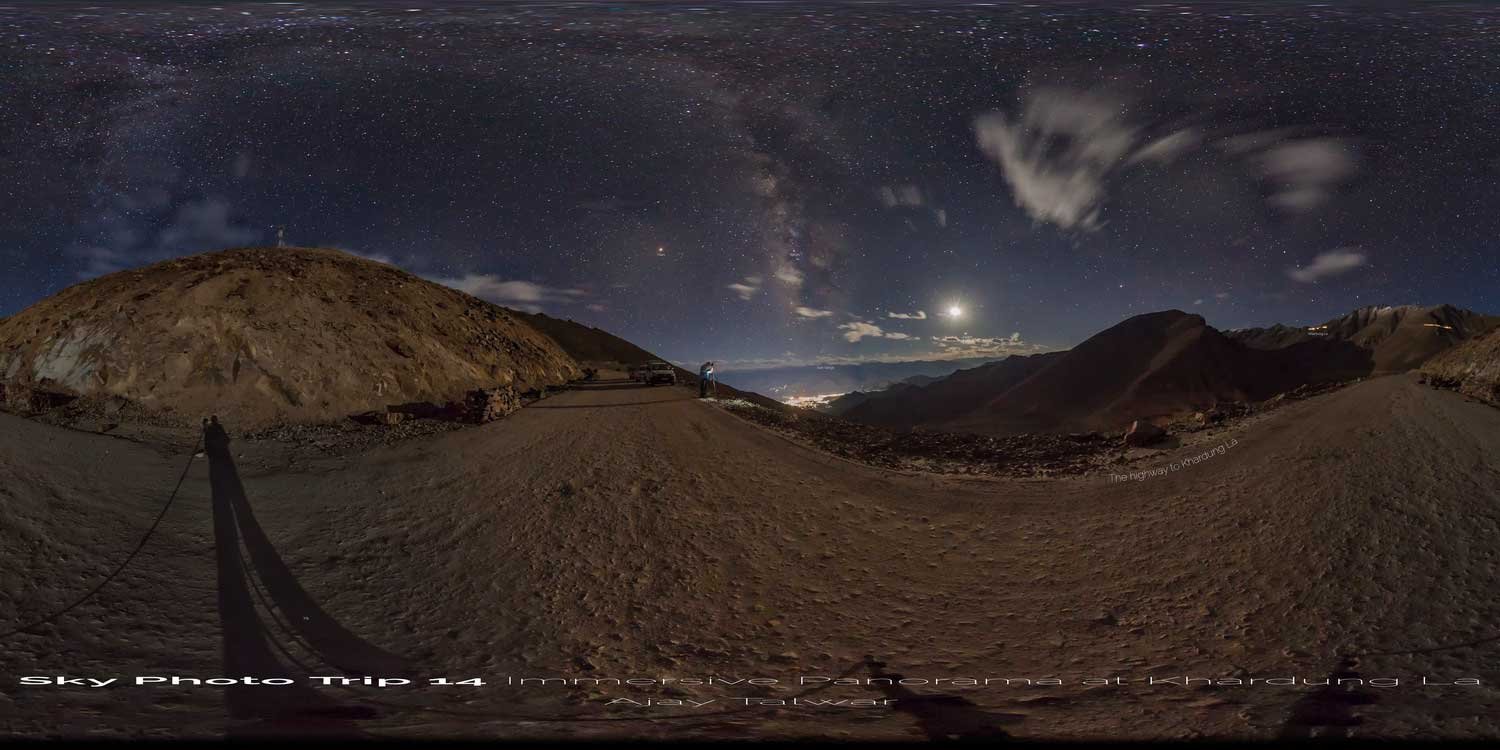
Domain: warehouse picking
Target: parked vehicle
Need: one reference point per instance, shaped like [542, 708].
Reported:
[660, 372]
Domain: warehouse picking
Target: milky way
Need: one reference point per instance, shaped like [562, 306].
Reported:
[777, 182]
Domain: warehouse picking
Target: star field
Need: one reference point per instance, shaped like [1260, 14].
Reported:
[768, 183]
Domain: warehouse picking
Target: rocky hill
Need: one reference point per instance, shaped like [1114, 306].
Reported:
[269, 336]
[589, 346]
[1472, 368]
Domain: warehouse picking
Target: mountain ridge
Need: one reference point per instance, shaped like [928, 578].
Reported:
[1164, 364]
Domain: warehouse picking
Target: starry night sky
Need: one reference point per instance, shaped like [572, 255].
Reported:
[772, 183]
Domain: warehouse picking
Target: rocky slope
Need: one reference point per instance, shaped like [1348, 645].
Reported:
[594, 347]
[1155, 365]
[1472, 368]
[269, 336]
[1399, 338]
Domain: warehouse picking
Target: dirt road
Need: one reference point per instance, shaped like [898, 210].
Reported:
[628, 532]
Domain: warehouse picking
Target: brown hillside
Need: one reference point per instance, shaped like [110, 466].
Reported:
[268, 336]
[1473, 367]
[588, 345]
[1155, 365]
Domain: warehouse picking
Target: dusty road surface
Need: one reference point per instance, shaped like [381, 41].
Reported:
[619, 532]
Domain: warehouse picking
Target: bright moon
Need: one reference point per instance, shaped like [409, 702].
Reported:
[955, 311]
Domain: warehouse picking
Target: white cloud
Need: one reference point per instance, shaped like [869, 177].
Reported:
[745, 291]
[859, 329]
[960, 347]
[1168, 148]
[918, 315]
[1331, 263]
[1198, 301]
[856, 330]
[522, 295]
[746, 288]
[1064, 149]
[790, 275]
[1305, 172]
[808, 312]
[1058, 156]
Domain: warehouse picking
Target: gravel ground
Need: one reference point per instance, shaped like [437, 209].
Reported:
[623, 531]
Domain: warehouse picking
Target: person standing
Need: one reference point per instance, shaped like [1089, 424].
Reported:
[705, 376]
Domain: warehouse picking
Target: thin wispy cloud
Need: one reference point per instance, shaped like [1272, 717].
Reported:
[1331, 263]
[521, 295]
[746, 288]
[857, 330]
[809, 312]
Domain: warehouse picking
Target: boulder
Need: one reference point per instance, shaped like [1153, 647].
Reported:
[1208, 417]
[1143, 433]
[490, 404]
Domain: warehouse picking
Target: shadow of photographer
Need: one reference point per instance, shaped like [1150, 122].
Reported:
[247, 645]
